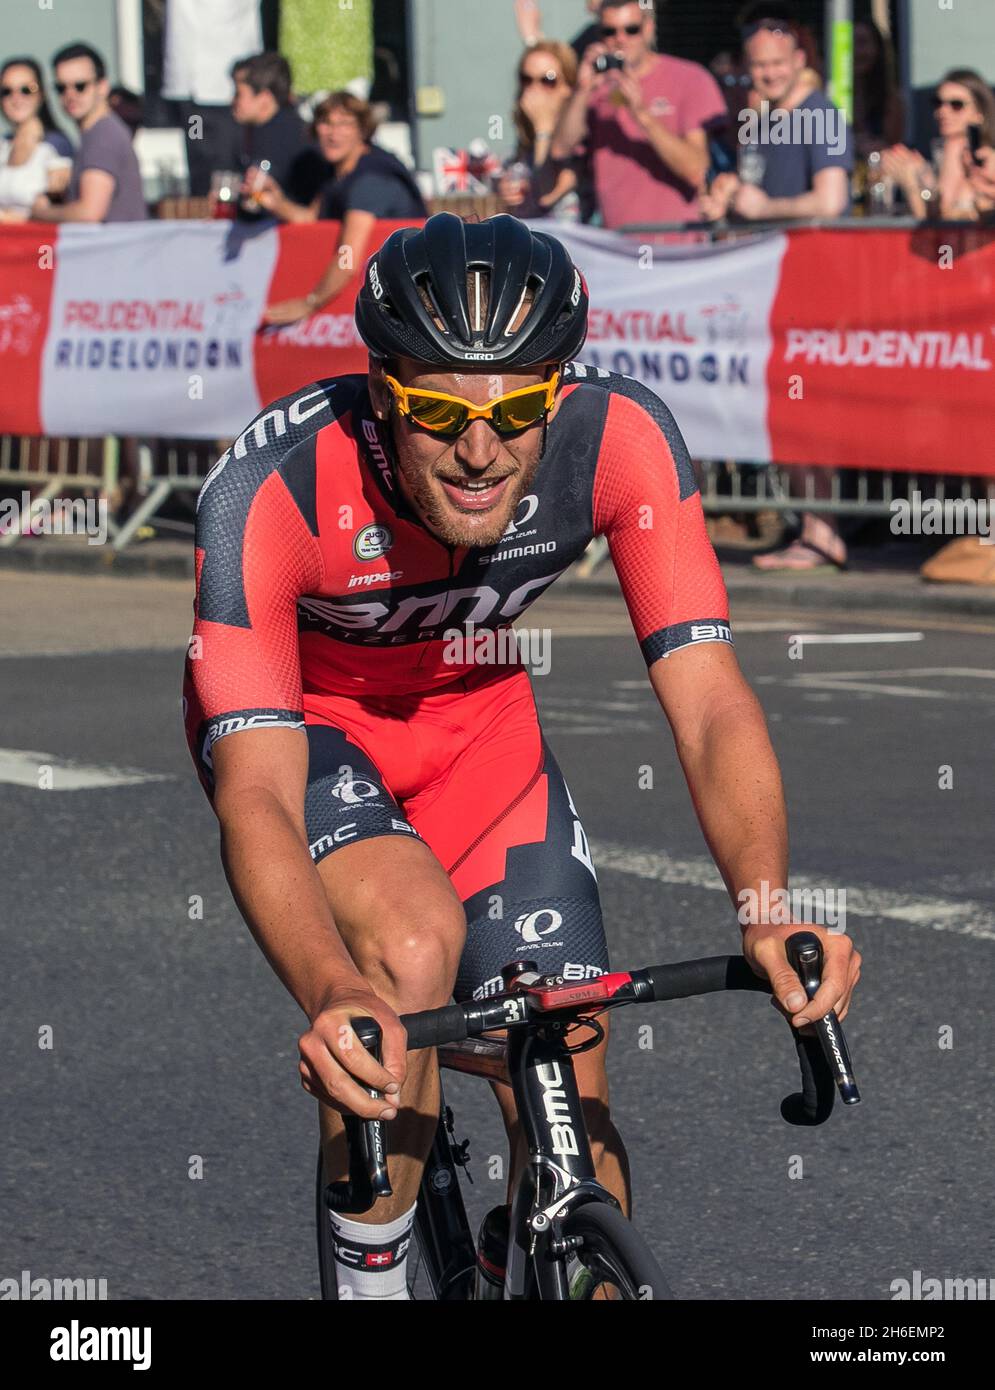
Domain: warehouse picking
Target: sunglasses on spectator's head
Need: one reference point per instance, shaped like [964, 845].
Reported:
[955, 103]
[768, 26]
[548, 79]
[449, 415]
[610, 30]
[80, 87]
[6, 92]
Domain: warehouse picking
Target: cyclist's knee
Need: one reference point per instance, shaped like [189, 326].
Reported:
[413, 961]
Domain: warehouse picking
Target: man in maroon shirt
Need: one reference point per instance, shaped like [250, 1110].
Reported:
[645, 124]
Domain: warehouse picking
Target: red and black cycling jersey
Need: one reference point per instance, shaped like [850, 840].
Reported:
[315, 577]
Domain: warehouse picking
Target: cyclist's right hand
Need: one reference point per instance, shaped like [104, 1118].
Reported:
[332, 1056]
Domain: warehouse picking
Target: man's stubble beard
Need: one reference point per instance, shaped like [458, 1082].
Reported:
[437, 515]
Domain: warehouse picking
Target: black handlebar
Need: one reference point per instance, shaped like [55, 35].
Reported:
[822, 1056]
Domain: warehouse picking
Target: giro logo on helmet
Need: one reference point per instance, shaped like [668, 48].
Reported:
[375, 284]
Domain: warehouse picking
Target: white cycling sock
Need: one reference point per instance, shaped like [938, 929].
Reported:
[370, 1261]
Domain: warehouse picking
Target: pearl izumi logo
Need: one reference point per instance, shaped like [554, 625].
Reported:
[372, 542]
[352, 789]
[533, 926]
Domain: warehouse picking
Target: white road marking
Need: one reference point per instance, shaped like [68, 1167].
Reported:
[22, 768]
[872, 687]
[845, 638]
[961, 917]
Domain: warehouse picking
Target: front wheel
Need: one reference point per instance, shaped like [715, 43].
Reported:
[612, 1260]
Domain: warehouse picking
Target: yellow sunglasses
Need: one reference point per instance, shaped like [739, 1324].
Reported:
[450, 415]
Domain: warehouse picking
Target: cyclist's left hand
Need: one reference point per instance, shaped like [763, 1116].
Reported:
[763, 947]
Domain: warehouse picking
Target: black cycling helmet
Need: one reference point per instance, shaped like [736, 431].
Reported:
[425, 291]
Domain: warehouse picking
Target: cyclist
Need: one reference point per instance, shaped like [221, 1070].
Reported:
[394, 828]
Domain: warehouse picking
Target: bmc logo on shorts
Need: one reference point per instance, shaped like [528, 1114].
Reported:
[533, 926]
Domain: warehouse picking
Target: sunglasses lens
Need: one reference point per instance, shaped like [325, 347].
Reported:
[519, 413]
[442, 417]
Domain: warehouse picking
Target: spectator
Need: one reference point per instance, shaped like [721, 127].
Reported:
[963, 98]
[105, 185]
[36, 148]
[878, 110]
[274, 136]
[810, 175]
[201, 43]
[547, 72]
[756, 10]
[646, 124]
[369, 184]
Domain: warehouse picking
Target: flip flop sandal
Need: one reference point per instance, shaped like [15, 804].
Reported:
[828, 561]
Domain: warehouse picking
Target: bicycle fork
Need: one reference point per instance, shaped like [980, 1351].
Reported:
[560, 1172]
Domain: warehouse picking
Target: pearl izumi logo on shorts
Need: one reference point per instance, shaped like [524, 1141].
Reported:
[353, 789]
[372, 542]
[533, 926]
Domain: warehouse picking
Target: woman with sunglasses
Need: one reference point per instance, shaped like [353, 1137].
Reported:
[33, 155]
[962, 99]
[536, 185]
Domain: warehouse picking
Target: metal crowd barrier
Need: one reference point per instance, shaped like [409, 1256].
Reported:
[727, 486]
[50, 468]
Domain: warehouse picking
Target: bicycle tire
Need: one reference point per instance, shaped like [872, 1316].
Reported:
[614, 1252]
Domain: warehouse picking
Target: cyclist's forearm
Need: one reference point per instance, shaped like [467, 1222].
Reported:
[279, 893]
[735, 784]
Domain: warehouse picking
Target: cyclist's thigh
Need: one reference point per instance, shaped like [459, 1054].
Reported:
[513, 845]
[387, 890]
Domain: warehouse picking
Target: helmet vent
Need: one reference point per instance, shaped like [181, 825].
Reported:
[423, 286]
[522, 309]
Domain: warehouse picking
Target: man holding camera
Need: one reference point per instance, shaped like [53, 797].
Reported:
[644, 117]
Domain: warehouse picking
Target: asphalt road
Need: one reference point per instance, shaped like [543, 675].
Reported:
[138, 1042]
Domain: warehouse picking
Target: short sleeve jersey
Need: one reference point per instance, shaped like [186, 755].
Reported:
[315, 578]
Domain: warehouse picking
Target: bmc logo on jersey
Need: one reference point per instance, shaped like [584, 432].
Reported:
[533, 926]
[372, 542]
[400, 616]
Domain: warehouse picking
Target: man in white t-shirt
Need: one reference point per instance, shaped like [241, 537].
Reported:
[202, 42]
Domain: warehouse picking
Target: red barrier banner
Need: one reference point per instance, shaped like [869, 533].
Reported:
[883, 352]
[852, 347]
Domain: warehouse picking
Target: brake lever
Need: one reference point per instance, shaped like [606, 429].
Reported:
[366, 1143]
[804, 950]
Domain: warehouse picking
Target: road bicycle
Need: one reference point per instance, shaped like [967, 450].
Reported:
[564, 1235]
